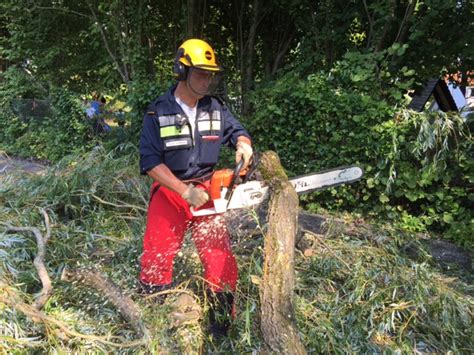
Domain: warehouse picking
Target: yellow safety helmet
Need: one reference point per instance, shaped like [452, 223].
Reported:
[195, 53]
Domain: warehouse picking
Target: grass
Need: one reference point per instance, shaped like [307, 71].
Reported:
[353, 294]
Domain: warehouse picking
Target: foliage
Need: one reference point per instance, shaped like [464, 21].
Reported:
[62, 131]
[372, 299]
[417, 165]
[429, 28]
[140, 95]
[99, 45]
[362, 295]
[372, 74]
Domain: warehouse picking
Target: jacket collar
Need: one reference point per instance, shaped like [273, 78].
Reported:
[172, 107]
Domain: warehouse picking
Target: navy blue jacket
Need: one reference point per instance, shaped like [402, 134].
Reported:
[166, 136]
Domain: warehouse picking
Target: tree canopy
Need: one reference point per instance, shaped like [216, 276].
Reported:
[103, 44]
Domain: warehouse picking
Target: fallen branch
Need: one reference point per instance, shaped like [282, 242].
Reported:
[124, 205]
[22, 342]
[103, 237]
[170, 292]
[112, 293]
[38, 316]
[320, 241]
[38, 262]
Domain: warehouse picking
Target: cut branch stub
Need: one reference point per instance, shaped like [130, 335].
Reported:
[276, 292]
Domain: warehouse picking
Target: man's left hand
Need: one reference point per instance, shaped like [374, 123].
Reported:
[244, 151]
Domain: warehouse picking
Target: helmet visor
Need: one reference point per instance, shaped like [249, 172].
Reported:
[203, 82]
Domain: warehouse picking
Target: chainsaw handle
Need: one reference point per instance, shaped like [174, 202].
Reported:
[236, 173]
[238, 167]
[253, 166]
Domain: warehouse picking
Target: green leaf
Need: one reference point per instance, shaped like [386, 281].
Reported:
[370, 182]
[448, 218]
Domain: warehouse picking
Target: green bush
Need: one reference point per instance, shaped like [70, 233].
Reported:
[417, 167]
[63, 129]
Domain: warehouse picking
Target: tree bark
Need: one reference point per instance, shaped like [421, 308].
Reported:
[248, 62]
[371, 25]
[122, 70]
[402, 34]
[190, 12]
[276, 293]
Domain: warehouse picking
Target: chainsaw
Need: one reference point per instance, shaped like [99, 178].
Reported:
[233, 189]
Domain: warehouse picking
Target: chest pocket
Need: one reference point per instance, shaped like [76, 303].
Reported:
[173, 135]
[209, 129]
[209, 124]
[177, 142]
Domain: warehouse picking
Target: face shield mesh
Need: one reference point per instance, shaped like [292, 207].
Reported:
[203, 82]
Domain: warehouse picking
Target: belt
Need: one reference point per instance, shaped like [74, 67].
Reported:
[200, 179]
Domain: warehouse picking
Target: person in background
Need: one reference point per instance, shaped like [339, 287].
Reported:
[180, 143]
[96, 114]
[95, 104]
[104, 127]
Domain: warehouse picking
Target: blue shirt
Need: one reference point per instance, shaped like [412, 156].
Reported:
[166, 136]
[96, 106]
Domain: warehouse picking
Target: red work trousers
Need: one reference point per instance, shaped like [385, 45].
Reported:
[169, 217]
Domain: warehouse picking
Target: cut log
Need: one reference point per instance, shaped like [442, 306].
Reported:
[278, 326]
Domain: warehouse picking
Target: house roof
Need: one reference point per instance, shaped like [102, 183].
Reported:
[440, 91]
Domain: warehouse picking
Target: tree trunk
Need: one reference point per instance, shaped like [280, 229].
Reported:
[276, 293]
[190, 18]
[247, 70]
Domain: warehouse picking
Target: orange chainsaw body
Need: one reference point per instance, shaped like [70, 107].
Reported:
[219, 180]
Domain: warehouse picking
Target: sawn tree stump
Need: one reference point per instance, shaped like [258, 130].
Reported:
[276, 292]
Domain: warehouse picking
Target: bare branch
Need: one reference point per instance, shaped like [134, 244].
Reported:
[125, 205]
[38, 316]
[282, 51]
[112, 292]
[62, 10]
[107, 46]
[38, 262]
[320, 241]
[47, 225]
[371, 24]
[408, 13]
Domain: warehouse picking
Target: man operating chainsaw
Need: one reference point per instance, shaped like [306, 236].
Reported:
[183, 131]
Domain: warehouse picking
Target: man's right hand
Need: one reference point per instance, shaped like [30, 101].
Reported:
[195, 197]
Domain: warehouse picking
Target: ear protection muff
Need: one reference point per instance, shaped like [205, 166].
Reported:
[179, 68]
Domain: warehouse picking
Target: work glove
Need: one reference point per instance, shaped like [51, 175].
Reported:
[245, 151]
[194, 196]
